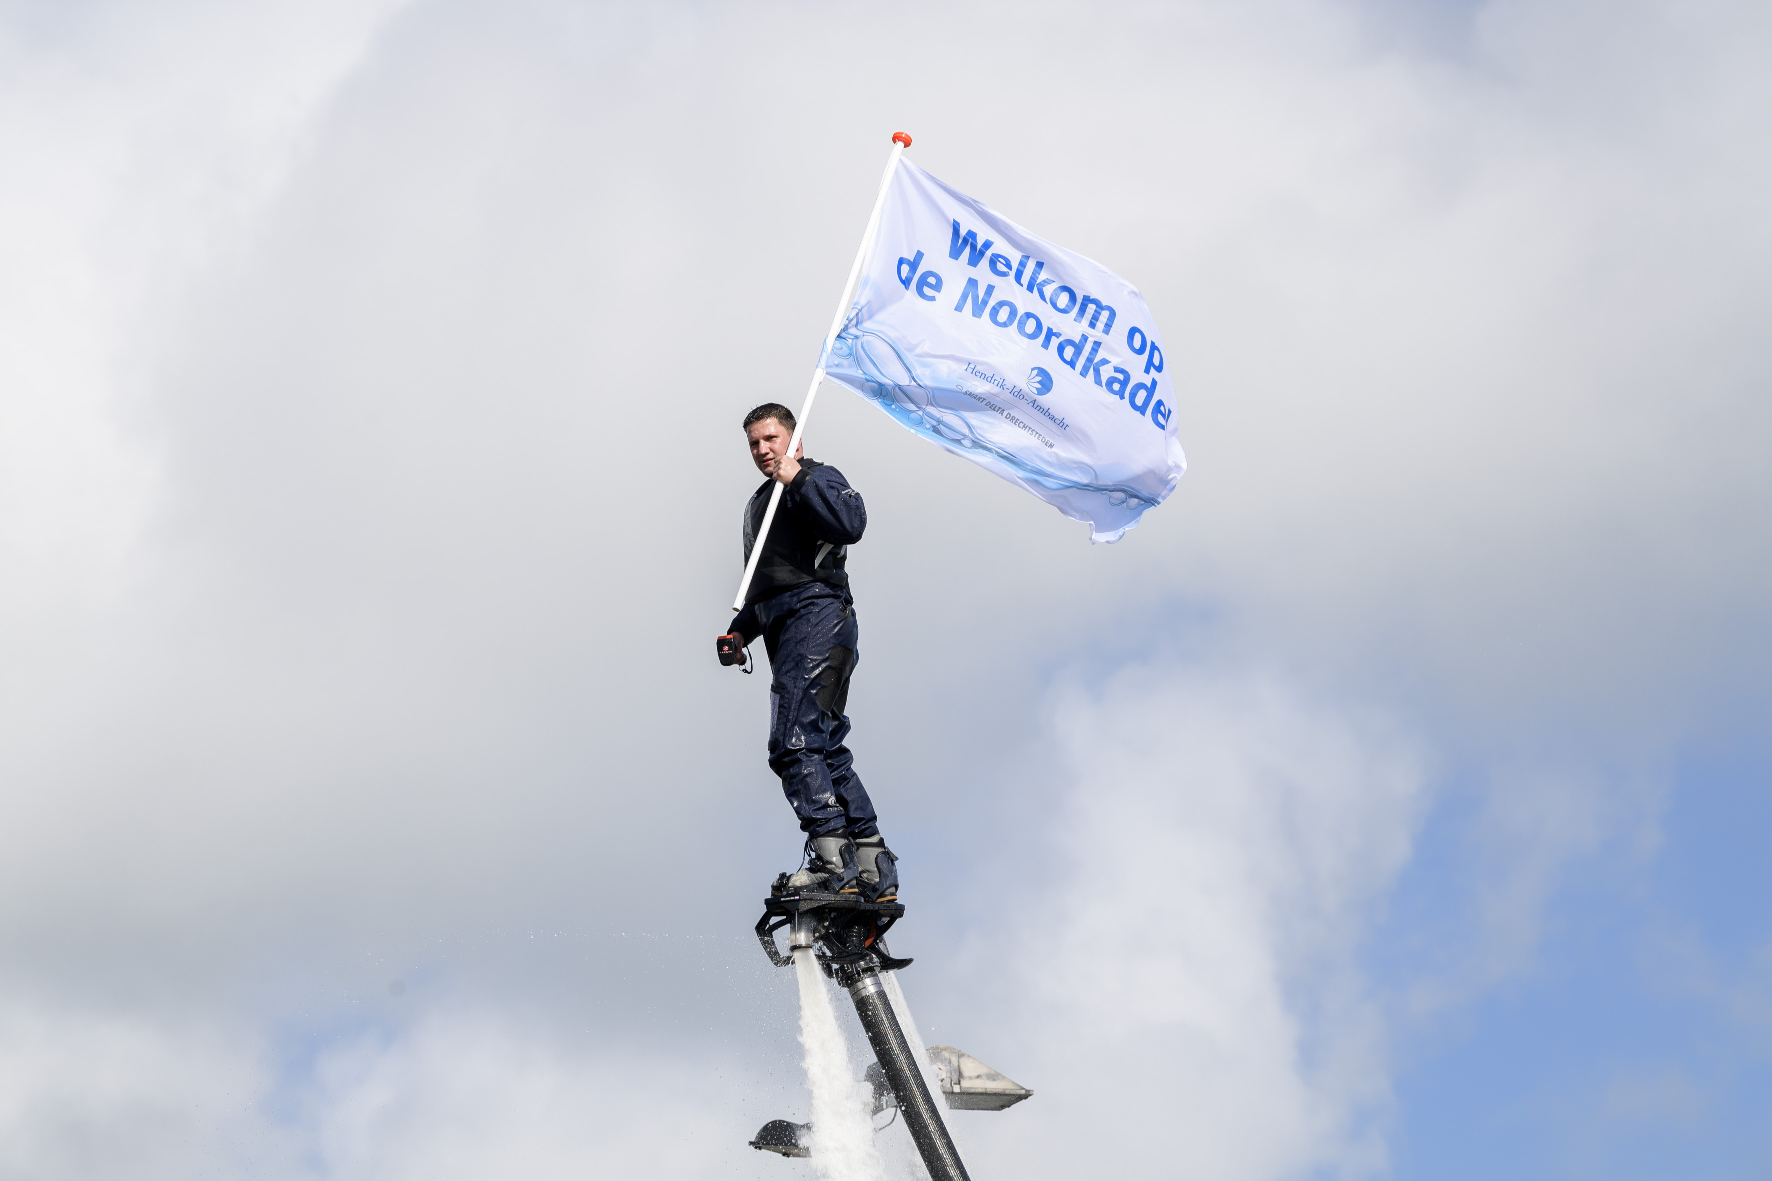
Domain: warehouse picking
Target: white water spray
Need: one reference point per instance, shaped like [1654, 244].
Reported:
[902, 1010]
[842, 1135]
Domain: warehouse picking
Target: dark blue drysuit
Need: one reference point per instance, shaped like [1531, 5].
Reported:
[799, 602]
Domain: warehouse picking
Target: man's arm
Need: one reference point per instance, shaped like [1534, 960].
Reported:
[823, 500]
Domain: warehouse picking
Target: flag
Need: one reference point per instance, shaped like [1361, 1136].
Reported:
[1034, 362]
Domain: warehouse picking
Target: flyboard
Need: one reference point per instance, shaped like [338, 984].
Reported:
[846, 933]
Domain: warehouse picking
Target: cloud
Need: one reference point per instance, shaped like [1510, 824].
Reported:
[368, 492]
[155, 137]
[87, 1093]
[464, 1095]
[1188, 984]
[449, 1093]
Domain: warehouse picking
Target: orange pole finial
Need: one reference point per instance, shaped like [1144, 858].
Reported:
[901, 137]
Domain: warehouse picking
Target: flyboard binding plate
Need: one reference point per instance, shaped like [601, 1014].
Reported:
[842, 929]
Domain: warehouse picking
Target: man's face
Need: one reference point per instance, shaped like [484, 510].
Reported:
[768, 439]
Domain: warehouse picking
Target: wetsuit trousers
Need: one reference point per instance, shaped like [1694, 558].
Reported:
[812, 641]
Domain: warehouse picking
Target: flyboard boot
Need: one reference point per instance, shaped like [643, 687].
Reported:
[879, 869]
[832, 866]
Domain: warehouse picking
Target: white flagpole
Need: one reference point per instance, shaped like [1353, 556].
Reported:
[900, 141]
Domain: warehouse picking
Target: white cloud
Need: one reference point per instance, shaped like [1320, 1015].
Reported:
[366, 465]
[469, 1096]
[1190, 992]
[449, 1093]
[94, 1094]
[144, 142]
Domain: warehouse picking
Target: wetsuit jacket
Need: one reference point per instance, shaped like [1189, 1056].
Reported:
[819, 517]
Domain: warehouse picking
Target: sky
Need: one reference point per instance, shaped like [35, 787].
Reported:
[1391, 803]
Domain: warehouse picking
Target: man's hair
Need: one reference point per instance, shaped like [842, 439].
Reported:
[773, 410]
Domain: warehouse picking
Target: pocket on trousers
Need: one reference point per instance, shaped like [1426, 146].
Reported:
[833, 682]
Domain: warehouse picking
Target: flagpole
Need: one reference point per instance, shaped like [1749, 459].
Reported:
[900, 141]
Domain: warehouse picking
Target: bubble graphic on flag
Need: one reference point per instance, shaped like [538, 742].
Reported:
[1039, 380]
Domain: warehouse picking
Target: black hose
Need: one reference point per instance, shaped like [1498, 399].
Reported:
[896, 1059]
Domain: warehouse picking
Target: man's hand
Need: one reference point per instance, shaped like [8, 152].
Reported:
[786, 468]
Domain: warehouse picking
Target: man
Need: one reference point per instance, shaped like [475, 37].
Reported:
[799, 602]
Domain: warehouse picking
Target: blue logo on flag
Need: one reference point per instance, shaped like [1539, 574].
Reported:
[1039, 380]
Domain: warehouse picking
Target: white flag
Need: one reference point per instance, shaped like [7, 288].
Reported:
[1021, 356]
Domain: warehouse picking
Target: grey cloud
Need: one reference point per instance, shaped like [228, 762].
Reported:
[372, 478]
